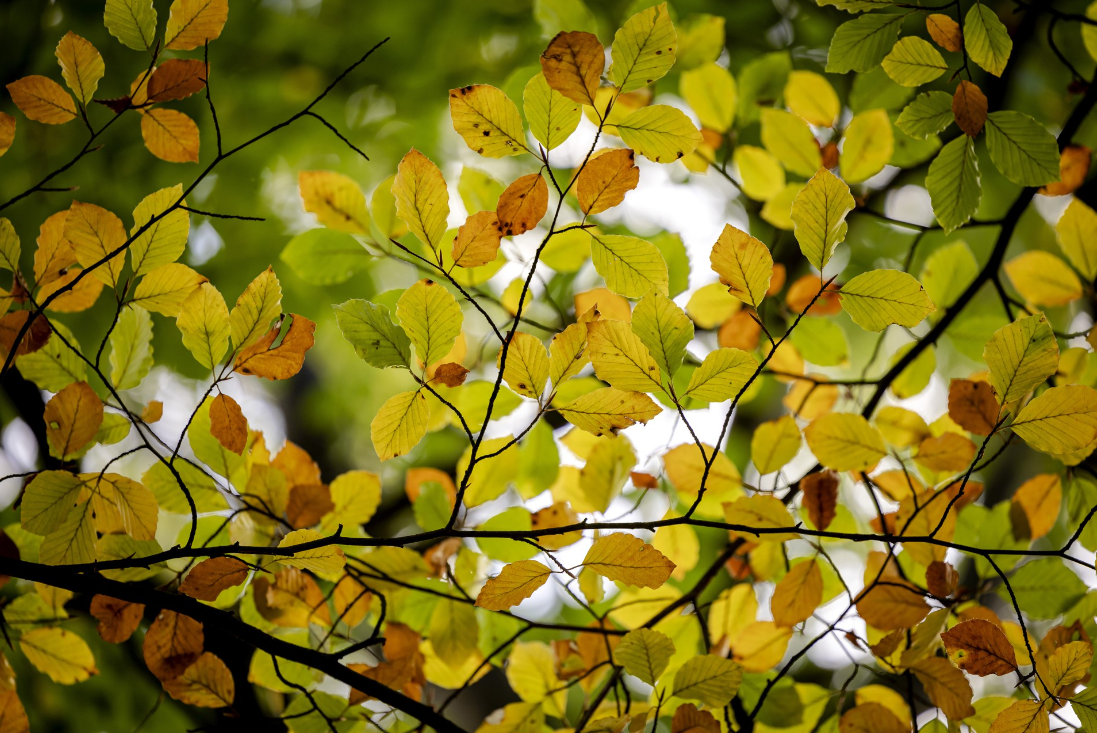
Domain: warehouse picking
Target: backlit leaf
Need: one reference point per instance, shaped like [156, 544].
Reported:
[880, 298]
[819, 215]
[643, 49]
[629, 560]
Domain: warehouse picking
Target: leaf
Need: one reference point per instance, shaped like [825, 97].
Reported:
[514, 583]
[820, 492]
[58, 653]
[711, 679]
[759, 511]
[422, 200]
[798, 593]
[790, 139]
[172, 643]
[762, 174]
[945, 32]
[605, 179]
[861, 44]
[629, 560]
[117, 619]
[660, 133]
[643, 49]
[711, 92]
[325, 256]
[487, 120]
[336, 200]
[1061, 420]
[871, 717]
[1073, 169]
[370, 330]
[664, 328]
[867, 146]
[812, 97]
[984, 648]
[164, 289]
[573, 64]
[257, 306]
[527, 366]
[132, 22]
[743, 263]
[1084, 705]
[845, 442]
[1020, 355]
[228, 424]
[927, 115]
[42, 100]
[177, 79]
[1021, 148]
[193, 23]
[7, 132]
[96, 234]
[986, 39]
[431, 318]
[163, 241]
[881, 298]
[722, 375]
[1069, 664]
[399, 425]
[47, 501]
[972, 406]
[621, 358]
[630, 266]
[1077, 236]
[211, 576]
[914, 61]
[892, 604]
[552, 117]
[522, 205]
[73, 542]
[946, 687]
[72, 417]
[477, 241]
[204, 323]
[123, 505]
[645, 654]
[1043, 279]
[284, 360]
[607, 410]
[1023, 716]
[207, 683]
[130, 348]
[953, 183]
[170, 135]
[969, 107]
[324, 560]
[819, 216]
[81, 66]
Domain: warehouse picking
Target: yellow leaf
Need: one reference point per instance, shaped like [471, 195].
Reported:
[812, 97]
[760, 512]
[422, 199]
[72, 418]
[732, 611]
[870, 717]
[126, 504]
[743, 263]
[946, 686]
[1077, 230]
[605, 179]
[643, 49]
[568, 353]
[678, 542]
[515, 583]
[867, 146]
[95, 234]
[629, 560]
[204, 322]
[774, 444]
[1020, 356]
[164, 289]
[685, 467]
[336, 200]
[193, 23]
[761, 646]
[762, 175]
[432, 319]
[207, 683]
[1040, 499]
[1068, 665]
[621, 358]
[399, 425]
[892, 604]
[659, 132]
[880, 298]
[356, 496]
[722, 375]
[257, 306]
[819, 216]
[845, 442]
[711, 92]
[1023, 716]
[573, 64]
[1043, 279]
[630, 266]
[711, 679]
[42, 100]
[902, 428]
[527, 366]
[552, 117]
[487, 120]
[798, 594]
[607, 410]
[1061, 420]
[81, 65]
[164, 241]
[645, 654]
[607, 468]
[59, 653]
[324, 560]
[170, 135]
[790, 139]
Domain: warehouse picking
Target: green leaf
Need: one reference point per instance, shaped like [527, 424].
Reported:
[819, 216]
[1044, 588]
[659, 132]
[862, 43]
[986, 39]
[1084, 705]
[399, 425]
[516, 518]
[552, 117]
[791, 141]
[914, 61]
[664, 328]
[432, 319]
[47, 501]
[821, 341]
[760, 82]
[131, 348]
[325, 256]
[1077, 230]
[880, 298]
[431, 508]
[54, 366]
[370, 330]
[555, 16]
[629, 265]
[1021, 148]
[711, 679]
[953, 183]
[928, 114]
[133, 22]
[645, 654]
[947, 272]
[643, 49]
[1061, 420]
[875, 90]
[1020, 356]
[722, 374]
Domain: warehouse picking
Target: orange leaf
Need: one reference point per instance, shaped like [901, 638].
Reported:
[945, 31]
[72, 417]
[604, 180]
[209, 577]
[284, 360]
[42, 100]
[477, 241]
[969, 107]
[170, 135]
[1073, 169]
[573, 65]
[522, 205]
[798, 594]
[117, 619]
[172, 643]
[308, 503]
[228, 424]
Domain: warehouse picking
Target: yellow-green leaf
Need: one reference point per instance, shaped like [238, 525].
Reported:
[819, 216]
[812, 97]
[790, 139]
[487, 120]
[131, 348]
[659, 132]
[1077, 230]
[81, 66]
[711, 679]
[711, 93]
[762, 175]
[399, 425]
[986, 39]
[1020, 356]
[552, 117]
[422, 200]
[432, 319]
[722, 375]
[774, 444]
[867, 146]
[743, 263]
[880, 298]
[527, 366]
[913, 61]
[133, 22]
[645, 654]
[1061, 420]
[845, 442]
[336, 200]
[629, 265]
[164, 241]
[643, 49]
[324, 560]
[664, 328]
[204, 322]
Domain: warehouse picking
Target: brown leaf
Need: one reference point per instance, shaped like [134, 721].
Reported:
[1036, 504]
[450, 374]
[605, 179]
[830, 155]
[117, 105]
[72, 417]
[969, 107]
[522, 205]
[172, 643]
[176, 79]
[1073, 169]
[688, 719]
[170, 135]
[643, 480]
[228, 424]
[820, 492]
[982, 648]
[477, 241]
[308, 503]
[892, 604]
[946, 686]
[948, 452]
[870, 717]
[573, 64]
[34, 339]
[972, 406]
[117, 619]
[394, 675]
[945, 32]
[207, 683]
[209, 577]
[941, 579]
[284, 360]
